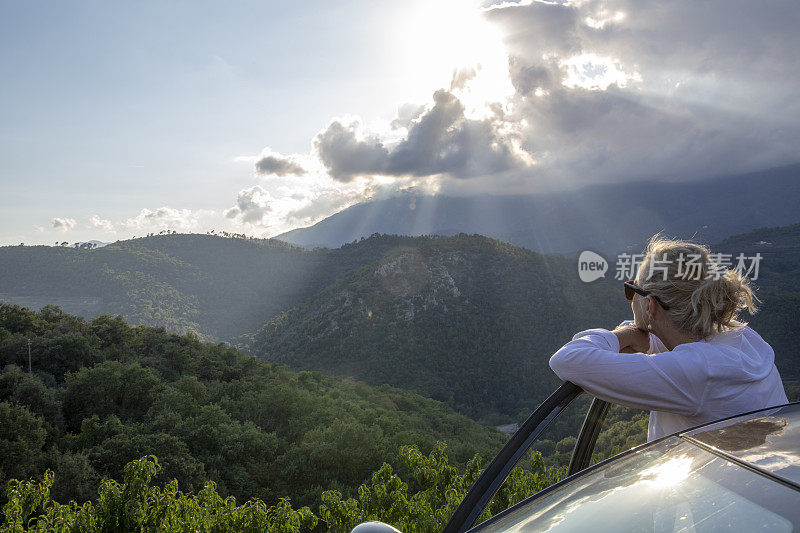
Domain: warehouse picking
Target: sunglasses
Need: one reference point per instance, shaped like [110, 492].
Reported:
[631, 290]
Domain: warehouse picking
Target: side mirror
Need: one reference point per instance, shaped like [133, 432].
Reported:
[374, 527]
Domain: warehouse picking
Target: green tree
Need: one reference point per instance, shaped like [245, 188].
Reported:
[22, 441]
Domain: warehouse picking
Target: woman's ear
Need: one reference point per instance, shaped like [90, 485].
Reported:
[651, 308]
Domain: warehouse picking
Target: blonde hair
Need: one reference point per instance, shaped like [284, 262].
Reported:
[703, 296]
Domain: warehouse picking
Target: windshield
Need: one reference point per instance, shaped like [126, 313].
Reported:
[672, 486]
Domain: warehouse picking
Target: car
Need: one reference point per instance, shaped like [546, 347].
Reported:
[740, 473]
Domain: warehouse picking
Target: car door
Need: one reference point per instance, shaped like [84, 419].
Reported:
[498, 470]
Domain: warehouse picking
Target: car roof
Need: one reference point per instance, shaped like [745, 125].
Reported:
[767, 441]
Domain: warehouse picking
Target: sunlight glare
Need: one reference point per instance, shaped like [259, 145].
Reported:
[445, 36]
[599, 22]
[669, 474]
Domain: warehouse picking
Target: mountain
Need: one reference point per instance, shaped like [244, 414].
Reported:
[480, 295]
[472, 321]
[778, 288]
[467, 320]
[217, 288]
[605, 218]
[779, 248]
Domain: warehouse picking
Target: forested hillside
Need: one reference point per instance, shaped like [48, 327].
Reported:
[466, 320]
[472, 321]
[214, 287]
[778, 285]
[779, 248]
[103, 393]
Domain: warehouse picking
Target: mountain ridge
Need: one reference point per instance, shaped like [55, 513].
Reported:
[217, 288]
[607, 217]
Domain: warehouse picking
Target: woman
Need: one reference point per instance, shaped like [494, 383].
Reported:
[684, 356]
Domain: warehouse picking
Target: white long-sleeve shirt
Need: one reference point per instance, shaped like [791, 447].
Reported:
[696, 382]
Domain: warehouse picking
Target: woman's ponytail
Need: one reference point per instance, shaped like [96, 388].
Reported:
[716, 302]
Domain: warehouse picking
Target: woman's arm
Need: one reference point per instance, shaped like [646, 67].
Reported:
[632, 339]
[655, 345]
[664, 382]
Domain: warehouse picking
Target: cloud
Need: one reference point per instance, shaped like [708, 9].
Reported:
[597, 91]
[278, 165]
[620, 90]
[346, 154]
[63, 224]
[590, 71]
[527, 78]
[461, 77]
[284, 203]
[317, 206]
[442, 140]
[252, 206]
[101, 224]
[164, 218]
[406, 114]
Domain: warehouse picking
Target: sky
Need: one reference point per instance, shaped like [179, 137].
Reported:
[119, 119]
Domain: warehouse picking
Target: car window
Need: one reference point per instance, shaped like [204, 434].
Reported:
[671, 486]
[624, 428]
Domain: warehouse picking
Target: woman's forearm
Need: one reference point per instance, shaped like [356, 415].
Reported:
[632, 339]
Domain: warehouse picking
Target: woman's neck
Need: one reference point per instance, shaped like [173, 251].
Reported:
[672, 337]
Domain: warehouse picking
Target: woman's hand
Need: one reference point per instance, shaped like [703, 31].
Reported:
[632, 339]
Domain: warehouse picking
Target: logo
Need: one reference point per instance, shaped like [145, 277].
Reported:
[591, 266]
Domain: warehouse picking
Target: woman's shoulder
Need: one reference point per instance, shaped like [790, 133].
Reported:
[733, 334]
[738, 351]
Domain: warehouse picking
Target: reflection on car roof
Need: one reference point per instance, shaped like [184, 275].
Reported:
[768, 440]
